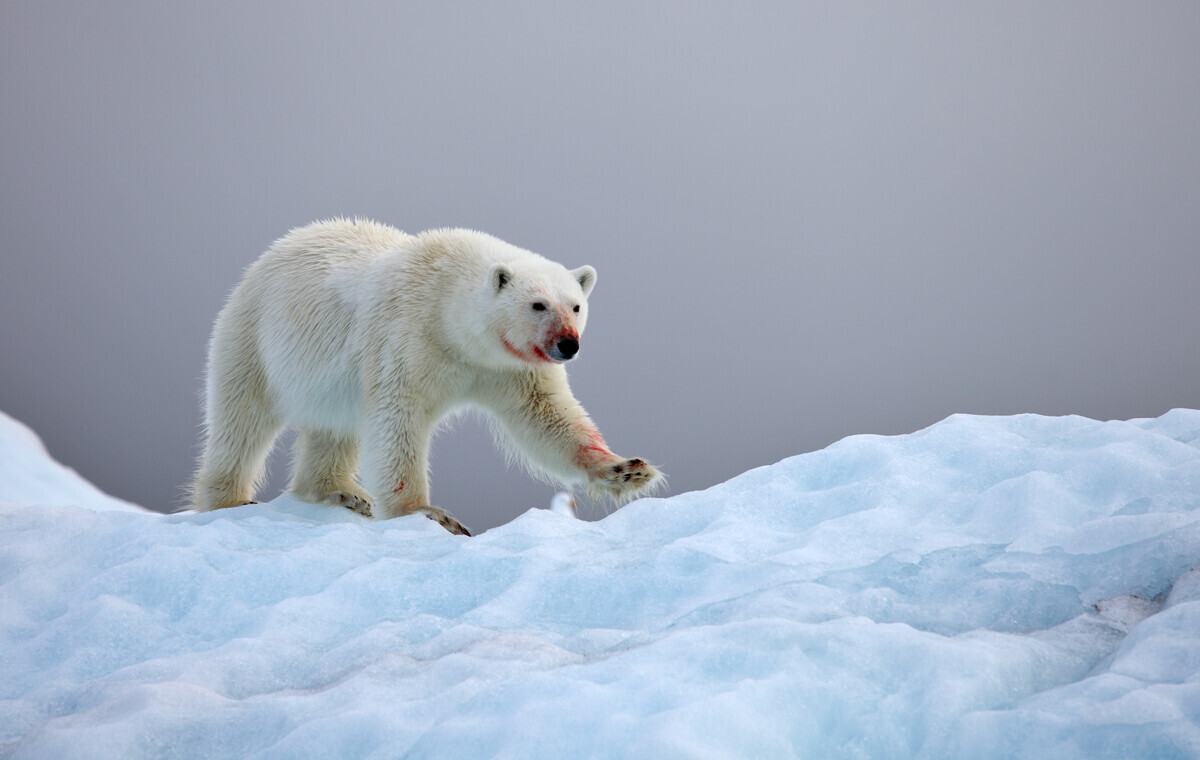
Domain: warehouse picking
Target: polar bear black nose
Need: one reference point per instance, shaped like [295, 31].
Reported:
[568, 347]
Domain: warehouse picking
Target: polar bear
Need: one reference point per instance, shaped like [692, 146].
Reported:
[363, 337]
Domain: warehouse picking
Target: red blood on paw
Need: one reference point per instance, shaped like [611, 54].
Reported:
[593, 450]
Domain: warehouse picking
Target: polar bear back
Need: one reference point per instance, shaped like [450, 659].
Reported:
[299, 304]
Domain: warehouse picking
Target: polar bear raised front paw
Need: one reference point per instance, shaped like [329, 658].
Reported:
[626, 478]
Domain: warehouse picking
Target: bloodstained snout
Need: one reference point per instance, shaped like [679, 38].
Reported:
[564, 349]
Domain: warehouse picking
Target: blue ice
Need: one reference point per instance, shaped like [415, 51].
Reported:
[987, 587]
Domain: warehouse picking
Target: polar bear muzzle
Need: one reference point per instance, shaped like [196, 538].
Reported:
[564, 350]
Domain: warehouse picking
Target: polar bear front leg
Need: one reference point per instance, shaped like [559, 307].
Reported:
[552, 431]
[611, 475]
[396, 465]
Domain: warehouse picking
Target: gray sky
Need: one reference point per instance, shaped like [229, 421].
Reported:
[809, 220]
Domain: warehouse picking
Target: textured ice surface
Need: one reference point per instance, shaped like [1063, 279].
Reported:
[987, 587]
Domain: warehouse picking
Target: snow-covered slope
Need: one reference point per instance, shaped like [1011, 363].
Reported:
[987, 587]
[28, 475]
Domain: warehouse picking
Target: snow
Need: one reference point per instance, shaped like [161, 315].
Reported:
[28, 475]
[987, 587]
[563, 503]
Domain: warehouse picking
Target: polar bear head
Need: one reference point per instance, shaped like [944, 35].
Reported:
[538, 308]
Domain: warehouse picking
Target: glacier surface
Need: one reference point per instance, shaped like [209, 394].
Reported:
[987, 587]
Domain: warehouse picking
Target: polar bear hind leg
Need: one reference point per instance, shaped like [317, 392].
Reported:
[241, 429]
[324, 469]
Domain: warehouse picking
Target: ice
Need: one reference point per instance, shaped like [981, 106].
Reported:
[986, 587]
[28, 475]
[563, 503]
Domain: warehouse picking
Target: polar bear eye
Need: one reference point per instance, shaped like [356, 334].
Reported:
[576, 308]
[539, 306]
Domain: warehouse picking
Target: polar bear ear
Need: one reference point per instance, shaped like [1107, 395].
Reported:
[586, 277]
[498, 276]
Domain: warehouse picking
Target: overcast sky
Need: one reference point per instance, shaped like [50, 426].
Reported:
[810, 220]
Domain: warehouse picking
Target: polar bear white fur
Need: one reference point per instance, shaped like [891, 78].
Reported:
[363, 337]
